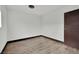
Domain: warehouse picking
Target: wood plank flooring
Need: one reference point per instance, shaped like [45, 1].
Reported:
[39, 45]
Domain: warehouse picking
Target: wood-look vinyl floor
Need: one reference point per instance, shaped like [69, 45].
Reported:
[39, 45]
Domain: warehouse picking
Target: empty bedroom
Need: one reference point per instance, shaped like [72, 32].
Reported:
[39, 29]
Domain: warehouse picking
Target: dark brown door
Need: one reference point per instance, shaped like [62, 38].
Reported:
[71, 28]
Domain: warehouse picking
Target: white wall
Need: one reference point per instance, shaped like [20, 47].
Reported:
[0, 20]
[22, 25]
[53, 22]
[3, 29]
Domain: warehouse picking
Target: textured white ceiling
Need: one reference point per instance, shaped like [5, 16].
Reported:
[39, 9]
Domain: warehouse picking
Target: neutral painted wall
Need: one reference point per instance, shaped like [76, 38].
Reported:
[22, 25]
[0, 20]
[3, 29]
[53, 22]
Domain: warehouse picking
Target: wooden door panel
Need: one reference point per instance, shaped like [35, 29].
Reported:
[71, 28]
